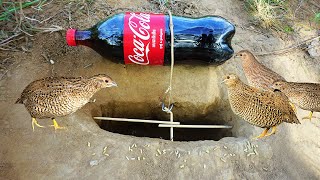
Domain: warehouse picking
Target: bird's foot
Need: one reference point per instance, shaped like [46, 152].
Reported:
[310, 116]
[35, 122]
[56, 125]
[262, 134]
[274, 128]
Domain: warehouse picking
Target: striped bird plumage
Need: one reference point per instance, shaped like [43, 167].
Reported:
[304, 95]
[59, 96]
[260, 108]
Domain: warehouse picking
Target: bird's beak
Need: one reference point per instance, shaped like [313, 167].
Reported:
[111, 84]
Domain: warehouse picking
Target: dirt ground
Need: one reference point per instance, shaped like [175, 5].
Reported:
[85, 151]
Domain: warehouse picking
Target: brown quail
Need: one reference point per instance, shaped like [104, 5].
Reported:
[59, 96]
[304, 95]
[257, 74]
[260, 108]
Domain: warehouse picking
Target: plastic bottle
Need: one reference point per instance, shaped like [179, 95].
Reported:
[144, 38]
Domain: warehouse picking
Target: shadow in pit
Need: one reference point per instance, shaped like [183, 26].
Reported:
[143, 110]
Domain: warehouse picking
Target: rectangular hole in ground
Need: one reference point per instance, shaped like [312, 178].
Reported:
[153, 131]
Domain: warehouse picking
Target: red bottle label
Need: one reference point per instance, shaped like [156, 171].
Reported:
[143, 38]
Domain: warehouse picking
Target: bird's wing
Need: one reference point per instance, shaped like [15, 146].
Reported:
[278, 103]
[52, 85]
[281, 101]
[56, 84]
[311, 89]
[271, 73]
[299, 92]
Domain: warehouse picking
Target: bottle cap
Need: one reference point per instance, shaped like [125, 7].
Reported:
[71, 37]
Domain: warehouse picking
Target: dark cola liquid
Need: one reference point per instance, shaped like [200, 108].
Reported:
[206, 39]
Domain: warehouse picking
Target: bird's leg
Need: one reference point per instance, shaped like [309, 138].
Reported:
[35, 122]
[310, 116]
[293, 107]
[274, 128]
[262, 134]
[56, 125]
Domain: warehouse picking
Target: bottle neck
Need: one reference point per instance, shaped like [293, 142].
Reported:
[83, 38]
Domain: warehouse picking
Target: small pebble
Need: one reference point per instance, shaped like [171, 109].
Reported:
[265, 169]
[94, 163]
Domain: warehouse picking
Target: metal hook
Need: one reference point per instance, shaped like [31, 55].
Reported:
[167, 109]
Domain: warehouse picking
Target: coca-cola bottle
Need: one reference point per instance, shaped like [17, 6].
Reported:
[144, 38]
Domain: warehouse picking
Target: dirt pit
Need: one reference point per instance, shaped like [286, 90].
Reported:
[85, 151]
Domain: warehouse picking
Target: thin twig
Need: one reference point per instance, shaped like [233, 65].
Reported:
[12, 49]
[315, 4]
[9, 38]
[285, 50]
[51, 29]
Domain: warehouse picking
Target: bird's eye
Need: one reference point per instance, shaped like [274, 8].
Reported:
[106, 81]
[228, 77]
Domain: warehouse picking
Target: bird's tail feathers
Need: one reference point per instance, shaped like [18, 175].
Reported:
[19, 101]
[292, 119]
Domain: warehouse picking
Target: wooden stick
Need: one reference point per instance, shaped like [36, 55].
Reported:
[195, 126]
[136, 120]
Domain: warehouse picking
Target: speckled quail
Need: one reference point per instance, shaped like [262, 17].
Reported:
[304, 95]
[59, 96]
[260, 108]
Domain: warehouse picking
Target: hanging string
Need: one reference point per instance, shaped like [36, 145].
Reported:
[169, 90]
